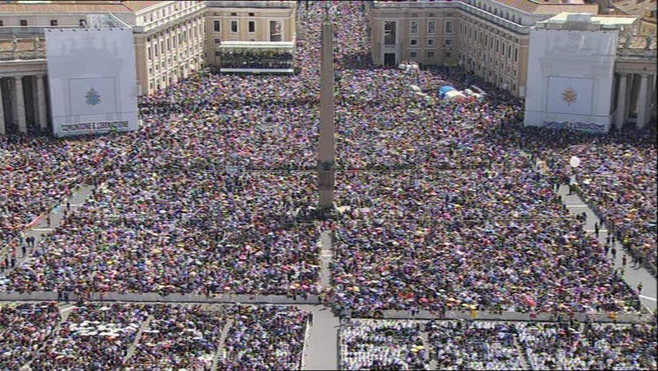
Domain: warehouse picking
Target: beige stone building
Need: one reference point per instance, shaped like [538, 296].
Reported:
[645, 9]
[486, 37]
[168, 38]
[256, 27]
[172, 39]
[168, 34]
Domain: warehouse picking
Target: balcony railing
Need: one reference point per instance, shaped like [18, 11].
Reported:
[26, 48]
[444, 4]
[21, 56]
[252, 4]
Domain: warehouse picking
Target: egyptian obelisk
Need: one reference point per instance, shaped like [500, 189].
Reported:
[326, 165]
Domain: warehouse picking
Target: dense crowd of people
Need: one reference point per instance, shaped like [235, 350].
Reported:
[23, 329]
[151, 336]
[37, 173]
[94, 335]
[382, 345]
[478, 345]
[258, 60]
[264, 338]
[213, 194]
[441, 208]
[591, 346]
[497, 345]
[616, 176]
[178, 337]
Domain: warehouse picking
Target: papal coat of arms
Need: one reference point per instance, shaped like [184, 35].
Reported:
[93, 97]
[569, 95]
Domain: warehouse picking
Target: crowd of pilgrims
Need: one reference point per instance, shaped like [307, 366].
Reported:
[496, 345]
[441, 204]
[150, 336]
[46, 336]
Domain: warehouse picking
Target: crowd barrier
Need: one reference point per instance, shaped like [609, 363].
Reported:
[518, 316]
[638, 317]
[158, 298]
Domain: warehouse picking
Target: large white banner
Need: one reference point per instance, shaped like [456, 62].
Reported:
[92, 80]
[571, 78]
[569, 95]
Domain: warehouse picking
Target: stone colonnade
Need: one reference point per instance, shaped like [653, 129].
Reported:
[22, 100]
[636, 94]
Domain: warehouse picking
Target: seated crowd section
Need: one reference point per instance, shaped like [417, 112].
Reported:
[440, 207]
[496, 345]
[150, 336]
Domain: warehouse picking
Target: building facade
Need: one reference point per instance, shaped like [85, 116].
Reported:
[169, 45]
[172, 39]
[572, 74]
[168, 34]
[486, 37]
[249, 25]
[645, 9]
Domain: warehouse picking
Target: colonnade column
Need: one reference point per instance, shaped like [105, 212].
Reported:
[20, 104]
[642, 101]
[2, 113]
[620, 114]
[651, 99]
[41, 101]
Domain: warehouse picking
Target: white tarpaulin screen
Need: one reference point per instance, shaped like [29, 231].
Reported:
[101, 90]
[571, 78]
[569, 95]
[92, 80]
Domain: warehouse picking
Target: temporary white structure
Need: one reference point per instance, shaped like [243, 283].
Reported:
[453, 94]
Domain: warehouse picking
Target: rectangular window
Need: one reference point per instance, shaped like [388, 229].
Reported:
[234, 26]
[217, 26]
[156, 49]
[276, 31]
[23, 22]
[430, 54]
[431, 27]
[448, 26]
[430, 42]
[149, 52]
[516, 55]
[252, 26]
[448, 54]
[53, 22]
[448, 42]
[413, 42]
[168, 44]
[2, 23]
[413, 54]
[414, 28]
[389, 33]
[218, 41]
